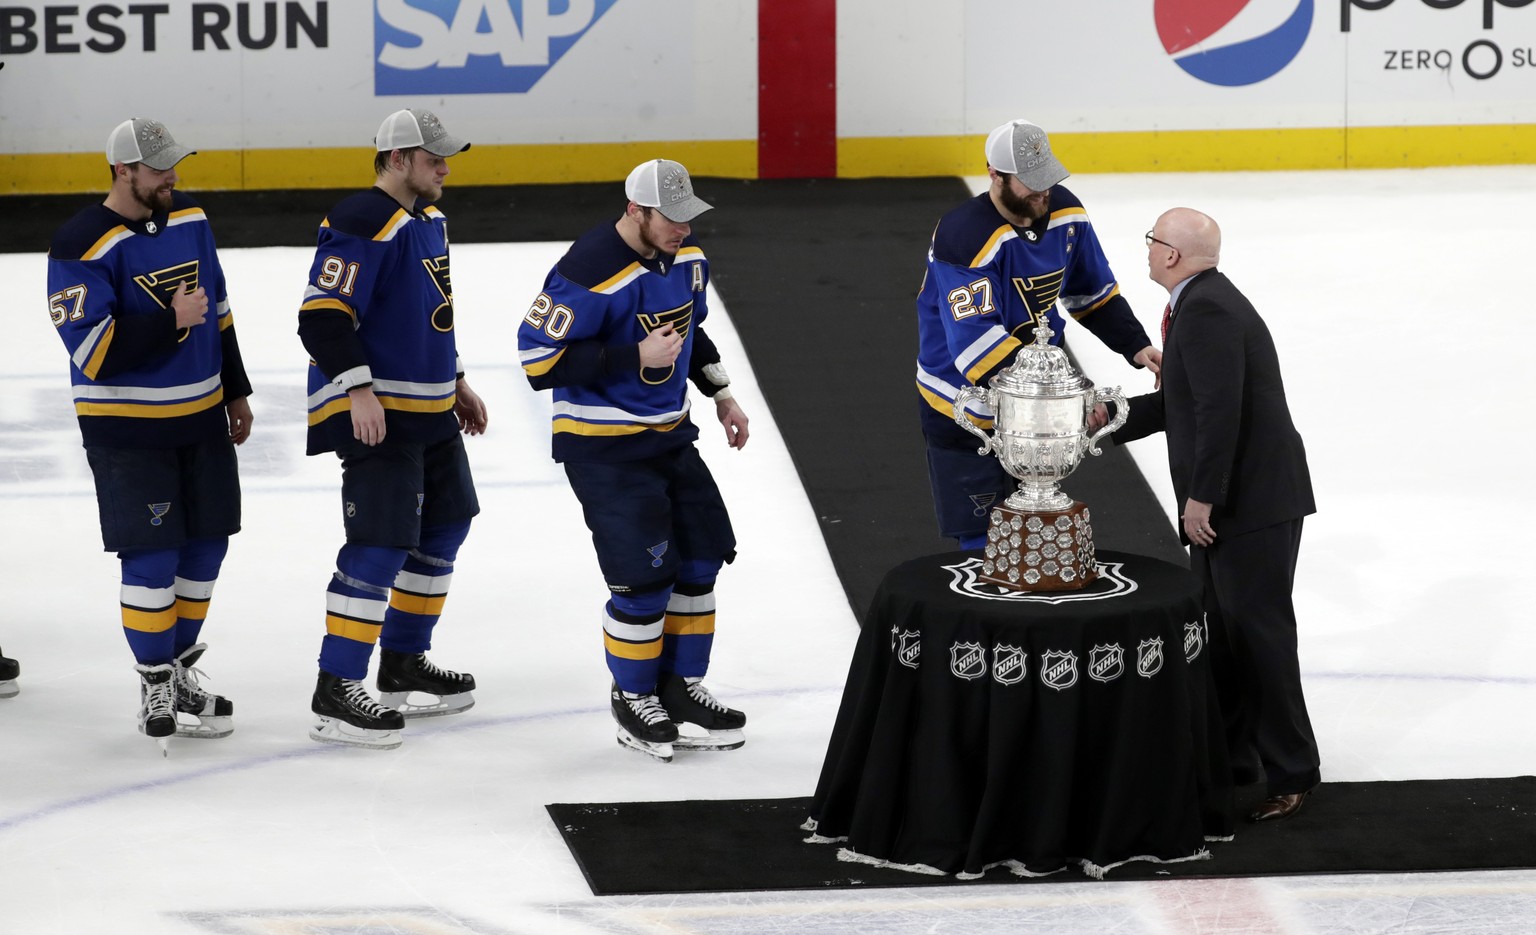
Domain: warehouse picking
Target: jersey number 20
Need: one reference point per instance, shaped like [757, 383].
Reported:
[554, 320]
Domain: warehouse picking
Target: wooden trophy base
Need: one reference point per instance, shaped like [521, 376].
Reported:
[1040, 551]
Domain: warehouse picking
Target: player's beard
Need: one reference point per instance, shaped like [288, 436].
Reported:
[429, 191]
[651, 245]
[1031, 207]
[157, 198]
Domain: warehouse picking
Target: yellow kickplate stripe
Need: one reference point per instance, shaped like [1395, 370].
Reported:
[346, 167]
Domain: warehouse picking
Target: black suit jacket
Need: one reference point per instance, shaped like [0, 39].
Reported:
[1222, 404]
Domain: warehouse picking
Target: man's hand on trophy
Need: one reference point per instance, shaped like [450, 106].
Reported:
[661, 347]
[1098, 418]
[1151, 358]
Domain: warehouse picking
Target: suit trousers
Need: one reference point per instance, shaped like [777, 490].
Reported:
[1248, 580]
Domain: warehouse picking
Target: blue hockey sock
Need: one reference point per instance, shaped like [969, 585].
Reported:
[355, 603]
[420, 588]
[690, 620]
[148, 604]
[196, 571]
[632, 630]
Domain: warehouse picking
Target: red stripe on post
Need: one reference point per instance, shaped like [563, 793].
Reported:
[796, 89]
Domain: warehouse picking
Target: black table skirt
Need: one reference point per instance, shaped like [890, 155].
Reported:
[979, 728]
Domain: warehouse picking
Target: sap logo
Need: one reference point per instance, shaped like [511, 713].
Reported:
[474, 46]
[1246, 46]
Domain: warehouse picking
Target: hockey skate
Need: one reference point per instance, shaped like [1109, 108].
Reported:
[9, 670]
[346, 714]
[400, 674]
[157, 703]
[214, 713]
[687, 701]
[643, 724]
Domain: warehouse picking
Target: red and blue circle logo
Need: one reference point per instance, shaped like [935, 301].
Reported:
[1245, 46]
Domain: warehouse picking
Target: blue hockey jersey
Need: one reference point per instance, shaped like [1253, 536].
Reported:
[378, 310]
[139, 381]
[988, 283]
[582, 334]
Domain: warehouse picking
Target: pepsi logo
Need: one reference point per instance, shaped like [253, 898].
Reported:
[1233, 42]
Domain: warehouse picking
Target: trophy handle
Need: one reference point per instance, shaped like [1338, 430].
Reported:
[968, 393]
[1122, 409]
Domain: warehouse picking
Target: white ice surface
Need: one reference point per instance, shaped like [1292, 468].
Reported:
[1399, 303]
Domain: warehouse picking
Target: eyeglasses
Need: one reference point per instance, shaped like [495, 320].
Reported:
[1152, 240]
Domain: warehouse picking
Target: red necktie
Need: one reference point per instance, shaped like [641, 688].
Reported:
[1167, 316]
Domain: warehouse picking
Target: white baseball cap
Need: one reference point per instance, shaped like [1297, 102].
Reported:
[139, 139]
[404, 129]
[1021, 148]
[664, 185]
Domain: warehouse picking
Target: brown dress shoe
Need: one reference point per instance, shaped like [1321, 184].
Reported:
[1279, 806]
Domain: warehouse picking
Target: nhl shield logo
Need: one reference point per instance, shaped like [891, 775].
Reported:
[1194, 640]
[1058, 669]
[968, 660]
[1149, 657]
[909, 647]
[1009, 664]
[1106, 662]
[966, 580]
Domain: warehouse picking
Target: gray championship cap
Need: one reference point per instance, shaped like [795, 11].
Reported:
[139, 139]
[404, 129]
[664, 185]
[1020, 148]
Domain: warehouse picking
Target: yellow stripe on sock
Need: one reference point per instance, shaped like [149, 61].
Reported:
[362, 631]
[623, 650]
[191, 609]
[690, 624]
[149, 621]
[422, 604]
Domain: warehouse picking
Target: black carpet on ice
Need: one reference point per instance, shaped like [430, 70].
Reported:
[819, 277]
[1345, 827]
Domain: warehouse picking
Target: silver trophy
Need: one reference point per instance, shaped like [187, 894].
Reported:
[1040, 538]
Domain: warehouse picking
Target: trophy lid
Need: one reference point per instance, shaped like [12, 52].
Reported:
[1041, 369]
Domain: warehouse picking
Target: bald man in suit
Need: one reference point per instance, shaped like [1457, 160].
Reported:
[1241, 483]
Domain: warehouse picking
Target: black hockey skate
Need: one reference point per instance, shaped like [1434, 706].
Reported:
[9, 670]
[689, 702]
[214, 713]
[643, 724]
[346, 714]
[157, 703]
[400, 674]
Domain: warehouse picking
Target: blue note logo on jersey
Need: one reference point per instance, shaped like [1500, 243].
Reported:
[474, 46]
[1233, 42]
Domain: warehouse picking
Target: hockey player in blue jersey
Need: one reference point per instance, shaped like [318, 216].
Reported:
[617, 334]
[387, 395]
[1021, 252]
[138, 297]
